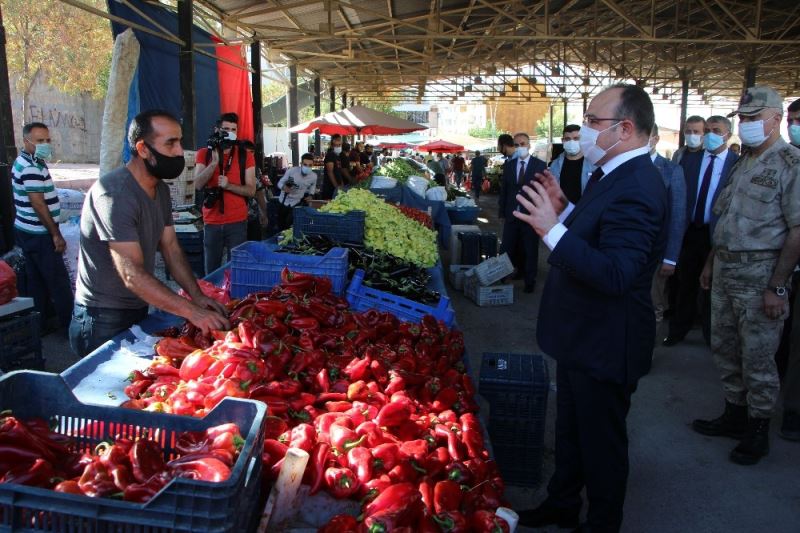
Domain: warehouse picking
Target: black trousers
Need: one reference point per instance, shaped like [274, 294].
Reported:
[516, 231]
[695, 249]
[591, 447]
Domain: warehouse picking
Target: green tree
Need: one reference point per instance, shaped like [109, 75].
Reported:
[543, 126]
[71, 47]
[489, 131]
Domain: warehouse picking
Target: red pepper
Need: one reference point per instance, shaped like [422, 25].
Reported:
[338, 407]
[387, 455]
[271, 307]
[360, 461]
[331, 397]
[395, 498]
[426, 485]
[451, 522]
[357, 368]
[393, 414]
[379, 372]
[200, 468]
[487, 522]
[459, 473]
[472, 437]
[362, 412]
[274, 451]
[69, 486]
[436, 462]
[306, 323]
[39, 474]
[370, 430]
[404, 472]
[341, 481]
[454, 445]
[414, 449]
[357, 391]
[323, 424]
[396, 383]
[147, 459]
[318, 465]
[382, 522]
[304, 437]
[323, 380]
[370, 490]
[445, 399]
[446, 496]
[96, 481]
[341, 523]
[343, 439]
[143, 492]
[274, 426]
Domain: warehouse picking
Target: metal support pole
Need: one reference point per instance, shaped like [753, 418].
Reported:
[258, 122]
[585, 103]
[317, 112]
[333, 98]
[750, 76]
[294, 115]
[684, 106]
[565, 111]
[8, 150]
[186, 63]
[344, 100]
[550, 129]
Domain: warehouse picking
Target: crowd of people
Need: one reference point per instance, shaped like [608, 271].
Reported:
[634, 239]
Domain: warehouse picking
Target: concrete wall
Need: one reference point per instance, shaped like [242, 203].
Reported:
[74, 121]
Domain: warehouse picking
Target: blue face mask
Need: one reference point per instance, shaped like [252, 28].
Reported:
[794, 134]
[712, 141]
[305, 170]
[43, 151]
[521, 152]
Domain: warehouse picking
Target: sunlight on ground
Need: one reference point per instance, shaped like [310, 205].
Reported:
[483, 220]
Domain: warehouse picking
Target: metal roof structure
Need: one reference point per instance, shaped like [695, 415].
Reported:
[445, 49]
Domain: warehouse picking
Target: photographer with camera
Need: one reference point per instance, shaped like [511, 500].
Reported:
[297, 187]
[226, 173]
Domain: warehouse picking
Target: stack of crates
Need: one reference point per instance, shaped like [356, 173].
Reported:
[469, 247]
[181, 189]
[482, 283]
[21, 342]
[516, 388]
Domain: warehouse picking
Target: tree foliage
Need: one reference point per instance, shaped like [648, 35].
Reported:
[543, 126]
[489, 131]
[71, 47]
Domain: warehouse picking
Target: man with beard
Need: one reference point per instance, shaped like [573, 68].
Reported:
[126, 217]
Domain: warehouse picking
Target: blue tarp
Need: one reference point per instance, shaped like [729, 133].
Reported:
[157, 81]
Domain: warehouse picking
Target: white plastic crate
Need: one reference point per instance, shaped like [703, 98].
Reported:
[494, 269]
[493, 295]
[456, 275]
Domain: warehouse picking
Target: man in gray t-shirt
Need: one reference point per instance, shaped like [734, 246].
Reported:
[126, 218]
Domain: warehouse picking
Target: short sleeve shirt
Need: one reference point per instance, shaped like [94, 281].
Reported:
[30, 174]
[478, 166]
[761, 201]
[117, 209]
[235, 205]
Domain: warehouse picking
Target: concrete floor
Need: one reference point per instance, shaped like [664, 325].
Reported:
[679, 481]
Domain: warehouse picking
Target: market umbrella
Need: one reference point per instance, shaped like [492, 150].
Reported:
[357, 120]
[440, 146]
[395, 146]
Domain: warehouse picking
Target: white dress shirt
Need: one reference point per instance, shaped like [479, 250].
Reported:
[556, 232]
[716, 174]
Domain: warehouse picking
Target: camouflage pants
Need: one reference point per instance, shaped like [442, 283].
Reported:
[743, 338]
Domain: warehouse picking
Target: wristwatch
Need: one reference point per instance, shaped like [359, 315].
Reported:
[779, 290]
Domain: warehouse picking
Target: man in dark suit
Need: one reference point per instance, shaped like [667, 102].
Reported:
[518, 172]
[706, 174]
[596, 317]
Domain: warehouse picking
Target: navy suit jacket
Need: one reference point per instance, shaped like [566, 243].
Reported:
[691, 163]
[596, 313]
[509, 186]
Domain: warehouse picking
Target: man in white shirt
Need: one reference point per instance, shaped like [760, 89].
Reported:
[596, 318]
[297, 186]
[706, 174]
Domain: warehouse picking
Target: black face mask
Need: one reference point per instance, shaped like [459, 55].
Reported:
[166, 167]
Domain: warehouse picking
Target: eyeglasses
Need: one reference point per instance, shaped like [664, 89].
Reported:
[591, 119]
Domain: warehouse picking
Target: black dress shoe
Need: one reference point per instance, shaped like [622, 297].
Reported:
[671, 340]
[546, 515]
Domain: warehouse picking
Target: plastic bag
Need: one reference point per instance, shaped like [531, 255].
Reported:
[221, 294]
[71, 231]
[436, 194]
[8, 283]
[485, 186]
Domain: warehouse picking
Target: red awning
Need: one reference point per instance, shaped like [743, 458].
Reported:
[440, 147]
[357, 120]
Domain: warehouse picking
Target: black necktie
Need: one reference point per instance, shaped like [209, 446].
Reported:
[521, 175]
[700, 208]
[594, 179]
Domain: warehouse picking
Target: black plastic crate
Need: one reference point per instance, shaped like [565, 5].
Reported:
[191, 242]
[182, 506]
[470, 248]
[21, 342]
[342, 227]
[516, 387]
[196, 263]
[488, 244]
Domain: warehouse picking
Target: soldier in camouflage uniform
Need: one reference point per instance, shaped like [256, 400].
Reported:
[756, 246]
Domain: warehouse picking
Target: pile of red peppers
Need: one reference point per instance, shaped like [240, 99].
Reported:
[383, 407]
[133, 470]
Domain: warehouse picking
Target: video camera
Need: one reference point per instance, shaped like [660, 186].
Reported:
[218, 139]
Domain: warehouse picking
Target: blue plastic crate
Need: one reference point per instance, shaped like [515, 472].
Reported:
[463, 215]
[20, 342]
[191, 242]
[347, 227]
[184, 505]
[362, 298]
[256, 266]
[516, 387]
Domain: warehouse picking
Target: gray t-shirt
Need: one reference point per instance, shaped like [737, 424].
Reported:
[118, 209]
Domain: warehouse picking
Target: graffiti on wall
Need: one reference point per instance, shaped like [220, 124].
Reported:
[55, 118]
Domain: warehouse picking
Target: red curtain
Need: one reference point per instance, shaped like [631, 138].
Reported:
[234, 88]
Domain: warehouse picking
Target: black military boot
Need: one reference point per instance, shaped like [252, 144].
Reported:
[755, 443]
[732, 423]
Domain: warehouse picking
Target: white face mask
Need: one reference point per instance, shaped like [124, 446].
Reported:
[752, 133]
[588, 142]
[521, 152]
[572, 147]
[694, 140]
[337, 150]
